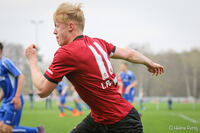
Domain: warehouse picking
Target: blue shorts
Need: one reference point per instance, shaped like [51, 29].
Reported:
[9, 115]
[130, 96]
[62, 99]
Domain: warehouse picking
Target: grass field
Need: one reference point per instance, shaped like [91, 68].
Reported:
[182, 119]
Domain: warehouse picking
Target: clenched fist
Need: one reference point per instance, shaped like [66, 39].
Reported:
[31, 52]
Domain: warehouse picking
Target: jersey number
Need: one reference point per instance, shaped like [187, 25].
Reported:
[100, 63]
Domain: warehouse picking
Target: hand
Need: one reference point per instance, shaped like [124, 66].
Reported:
[120, 92]
[155, 69]
[17, 102]
[31, 52]
[63, 93]
[127, 90]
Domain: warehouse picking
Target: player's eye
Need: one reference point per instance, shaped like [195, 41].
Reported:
[56, 25]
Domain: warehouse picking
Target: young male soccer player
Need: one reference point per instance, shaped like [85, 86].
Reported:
[129, 82]
[85, 62]
[62, 91]
[11, 84]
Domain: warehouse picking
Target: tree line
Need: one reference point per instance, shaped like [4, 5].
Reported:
[181, 77]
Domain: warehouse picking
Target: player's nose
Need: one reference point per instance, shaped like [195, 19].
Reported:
[55, 31]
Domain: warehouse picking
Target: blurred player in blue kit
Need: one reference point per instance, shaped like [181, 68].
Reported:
[129, 82]
[77, 100]
[62, 91]
[11, 85]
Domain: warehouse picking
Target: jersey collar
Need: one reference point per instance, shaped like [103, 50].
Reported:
[80, 36]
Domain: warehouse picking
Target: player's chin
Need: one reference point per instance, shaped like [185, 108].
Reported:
[59, 43]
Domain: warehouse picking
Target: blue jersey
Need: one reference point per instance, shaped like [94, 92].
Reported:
[61, 85]
[127, 78]
[8, 79]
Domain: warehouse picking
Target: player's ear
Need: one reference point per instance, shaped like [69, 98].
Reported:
[71, 26]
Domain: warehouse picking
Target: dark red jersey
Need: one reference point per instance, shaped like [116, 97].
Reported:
[86, 64]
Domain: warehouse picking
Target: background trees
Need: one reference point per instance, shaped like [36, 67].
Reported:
[181, 77]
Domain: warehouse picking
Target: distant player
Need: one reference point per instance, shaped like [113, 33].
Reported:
[11, 84]
[169, 101]
[77, 100]
[129, 82]
[31, 98]
[48, 102]
[62, 91]
[141, 99]
[85, 62]
[120, 85]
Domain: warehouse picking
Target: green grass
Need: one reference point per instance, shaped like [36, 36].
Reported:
[164, 121]
[154, 120]
[49, 118]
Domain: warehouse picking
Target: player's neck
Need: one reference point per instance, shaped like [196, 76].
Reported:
[78, 33]
[125, 70]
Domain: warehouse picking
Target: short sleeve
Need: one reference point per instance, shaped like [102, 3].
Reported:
[109, 46]
[63, 64]
[11, 68]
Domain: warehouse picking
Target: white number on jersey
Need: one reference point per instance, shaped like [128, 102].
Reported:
[100, 63]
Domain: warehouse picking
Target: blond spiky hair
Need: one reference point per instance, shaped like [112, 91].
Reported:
[70, 12]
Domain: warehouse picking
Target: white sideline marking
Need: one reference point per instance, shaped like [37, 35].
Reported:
[188, 118]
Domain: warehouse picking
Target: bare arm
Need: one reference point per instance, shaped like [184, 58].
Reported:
[64, 90]
[43, 86]
[20, 85]
[133, 84]
[16, 100]
[136, 57]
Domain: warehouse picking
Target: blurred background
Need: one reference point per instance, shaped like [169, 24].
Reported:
[167, 31]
